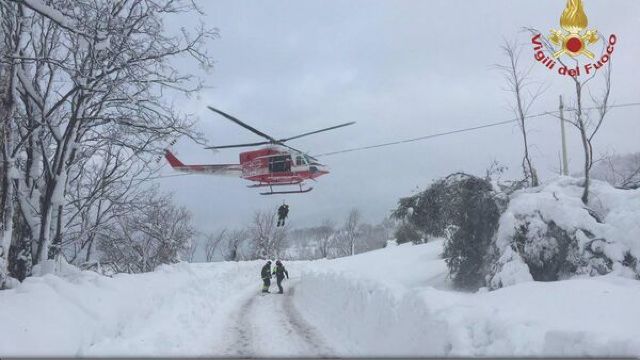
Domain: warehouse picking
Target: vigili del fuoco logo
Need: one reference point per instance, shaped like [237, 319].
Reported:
[573, 40]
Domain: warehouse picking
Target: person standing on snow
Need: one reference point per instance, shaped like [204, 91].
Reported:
[265, 274]
[279, 271]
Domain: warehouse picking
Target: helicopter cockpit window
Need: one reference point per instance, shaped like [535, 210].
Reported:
[300, 160]
[308, 159]
[280, 163]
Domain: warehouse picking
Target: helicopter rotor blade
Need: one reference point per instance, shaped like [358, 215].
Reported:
[238, 145]
[235, 120]
[271, 139]
[312, 158]
[315, 132]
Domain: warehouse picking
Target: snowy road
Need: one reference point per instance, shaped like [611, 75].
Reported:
[344, 307]
[270, 325]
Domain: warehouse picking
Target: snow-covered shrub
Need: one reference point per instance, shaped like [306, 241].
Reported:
[548, 250]
[473, 211]
[548, 234]
[461, 208]
[425, 210]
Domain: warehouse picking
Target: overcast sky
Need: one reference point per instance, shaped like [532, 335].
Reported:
[401, 69]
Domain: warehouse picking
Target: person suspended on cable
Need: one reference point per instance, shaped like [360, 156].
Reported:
[265, 274]
[283, 211]
[279, 272]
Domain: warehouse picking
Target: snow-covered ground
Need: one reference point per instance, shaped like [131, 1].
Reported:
[394, 301]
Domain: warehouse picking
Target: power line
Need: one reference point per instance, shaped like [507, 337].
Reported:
[145, 178]
[431, 136]
[165, 176]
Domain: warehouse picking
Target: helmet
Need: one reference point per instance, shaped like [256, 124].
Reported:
[268, 262]
[278, 262]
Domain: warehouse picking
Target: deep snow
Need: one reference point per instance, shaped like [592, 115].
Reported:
[398, 304]
[393, 301]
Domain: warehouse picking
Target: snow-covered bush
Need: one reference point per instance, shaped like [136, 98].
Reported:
[474, 215]
[425, 210]
[548, 234]
[461, 208]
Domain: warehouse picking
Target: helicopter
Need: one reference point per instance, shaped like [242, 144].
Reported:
[274, 165]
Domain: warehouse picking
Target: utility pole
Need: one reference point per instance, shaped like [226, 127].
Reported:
[565, 166]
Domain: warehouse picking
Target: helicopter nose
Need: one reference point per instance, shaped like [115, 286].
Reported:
[318, 169]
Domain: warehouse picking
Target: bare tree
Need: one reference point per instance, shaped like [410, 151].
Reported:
[212, 243]
[622, 171]
[518, 83]
[268, 240]
[191, 250]
[325, 237]
[233, 244]
[587, 125]
[12, 39]
[150, 233]
[95, 189]
[351, 232]
[87, 92]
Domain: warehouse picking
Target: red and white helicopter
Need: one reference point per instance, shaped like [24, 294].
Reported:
[276, 164]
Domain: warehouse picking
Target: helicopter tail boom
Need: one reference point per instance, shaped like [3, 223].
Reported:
[213, 169]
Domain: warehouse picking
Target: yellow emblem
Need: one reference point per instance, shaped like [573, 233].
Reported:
[574, 39]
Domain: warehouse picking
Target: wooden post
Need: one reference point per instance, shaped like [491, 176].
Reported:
[565, 166]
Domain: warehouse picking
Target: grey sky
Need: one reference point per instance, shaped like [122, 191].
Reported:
[400, 69]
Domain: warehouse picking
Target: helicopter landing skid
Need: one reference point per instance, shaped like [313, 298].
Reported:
[301, 191]
[299, 183]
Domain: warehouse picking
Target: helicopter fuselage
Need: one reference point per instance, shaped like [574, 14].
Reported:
[276, 165]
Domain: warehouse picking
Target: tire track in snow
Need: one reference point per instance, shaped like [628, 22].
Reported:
[303, 329]
[270, 325]
[242, 344]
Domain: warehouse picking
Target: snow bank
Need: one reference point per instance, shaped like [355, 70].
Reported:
[365, 319]
[376, 308]
[80, 313]
[401, 266]
[372, 304]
